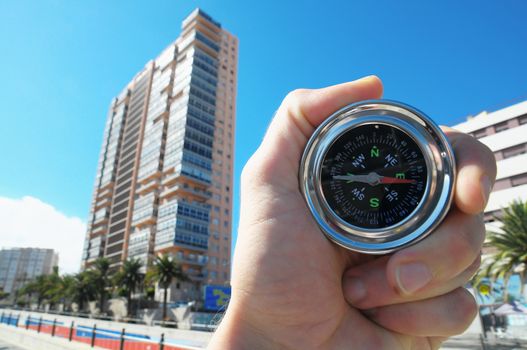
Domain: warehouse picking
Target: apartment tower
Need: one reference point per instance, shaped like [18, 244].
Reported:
[164, 177]
[18, 266]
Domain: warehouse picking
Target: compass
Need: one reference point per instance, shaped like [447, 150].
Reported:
[377, 175]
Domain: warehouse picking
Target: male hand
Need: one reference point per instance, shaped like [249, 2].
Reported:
[294, 289]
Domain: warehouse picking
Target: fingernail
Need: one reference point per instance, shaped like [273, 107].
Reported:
[355, 290]
[486, 187]
[412, 277]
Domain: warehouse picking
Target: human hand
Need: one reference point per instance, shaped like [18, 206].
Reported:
[294, 289]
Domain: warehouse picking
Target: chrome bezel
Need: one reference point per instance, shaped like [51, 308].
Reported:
[437, 197]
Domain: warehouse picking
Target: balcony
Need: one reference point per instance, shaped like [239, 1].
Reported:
[187, 191]
[99, 222]
[197, 277]
[171, 178]
[105, 192]
[198, 261]
[148, 177]
[105, 202]
[96, 231]
[144, 221]
[147, 187]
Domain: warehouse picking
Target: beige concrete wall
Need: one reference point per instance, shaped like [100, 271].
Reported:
[198, 339]
[31, 340]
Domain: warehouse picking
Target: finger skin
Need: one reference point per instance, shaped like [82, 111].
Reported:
[451, 254]
[299, 114]
[476, 171]
[442, 316]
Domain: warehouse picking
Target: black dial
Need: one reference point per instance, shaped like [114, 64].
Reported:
[373, 176]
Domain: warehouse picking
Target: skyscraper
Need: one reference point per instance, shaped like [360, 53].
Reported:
[18, 266]
[164, 178]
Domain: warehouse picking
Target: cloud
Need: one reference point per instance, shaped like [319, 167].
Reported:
[29, 222]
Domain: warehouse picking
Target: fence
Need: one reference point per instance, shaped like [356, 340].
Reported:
[91, 335]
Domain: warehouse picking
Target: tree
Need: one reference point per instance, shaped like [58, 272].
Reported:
[27, 290]
[130, 277]
[510, 243]
[52, 288]
[3, 295]
[82, 288]
[65, 294]
[40, 288]
[165, 270]
[100, 270]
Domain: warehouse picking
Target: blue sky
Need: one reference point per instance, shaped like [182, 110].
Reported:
[62, 62]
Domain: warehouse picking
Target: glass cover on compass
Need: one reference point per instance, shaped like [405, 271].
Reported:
[373, 176]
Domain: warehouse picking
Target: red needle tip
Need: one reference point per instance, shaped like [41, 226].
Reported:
[394, 180]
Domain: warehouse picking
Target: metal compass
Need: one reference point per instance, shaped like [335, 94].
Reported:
[377, 176]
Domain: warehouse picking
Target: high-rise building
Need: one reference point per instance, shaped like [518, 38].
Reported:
[505, 132]
[164, 178]
[20, 265]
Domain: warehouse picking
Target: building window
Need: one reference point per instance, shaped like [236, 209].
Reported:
[514, 151]
[522, 119]
[501, 127]
[501, 184]
[519, 180]
[491, 216]
[480, 133]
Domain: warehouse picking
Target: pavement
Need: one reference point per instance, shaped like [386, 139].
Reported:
[8, 346]
[473, 342]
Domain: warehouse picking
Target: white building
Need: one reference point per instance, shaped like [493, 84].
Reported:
[505, 133]
[20, 265]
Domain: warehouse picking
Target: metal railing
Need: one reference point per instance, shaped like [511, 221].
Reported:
[197, 326]
[91, 334]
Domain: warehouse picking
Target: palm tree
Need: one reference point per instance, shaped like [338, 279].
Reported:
[27, 290]
[52, 285]
[82, 289]
[510, 256]
[3, 295]
[65, 295]
[100, 268]
[130, 277]
[41, 286]
[165, 270]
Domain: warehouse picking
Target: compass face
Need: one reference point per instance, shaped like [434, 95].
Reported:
[373, 176]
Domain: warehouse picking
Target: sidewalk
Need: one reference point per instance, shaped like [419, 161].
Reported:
[473, 342]
[8, 346]
[23, 339]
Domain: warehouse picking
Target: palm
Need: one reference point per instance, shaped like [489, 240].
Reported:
[304, 269]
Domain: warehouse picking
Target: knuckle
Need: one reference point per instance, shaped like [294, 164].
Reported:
[293, 99]
[469, 239]
[463, 310]
[469, 272]
[248, 169]
[295, 95]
